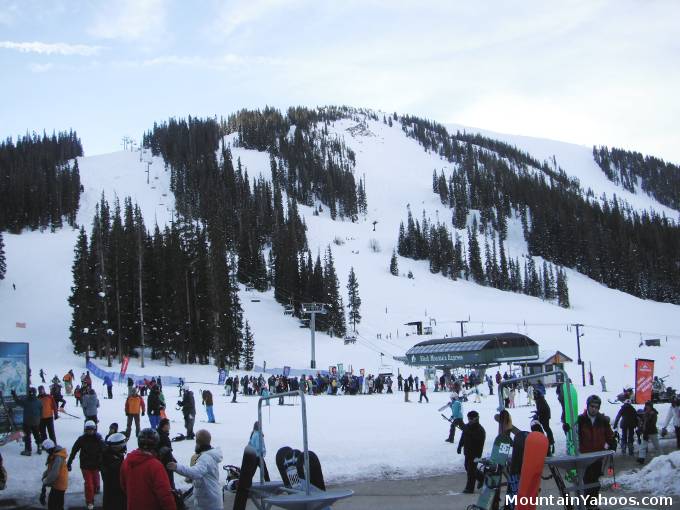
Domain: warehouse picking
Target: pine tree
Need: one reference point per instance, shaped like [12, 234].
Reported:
[334, 320]
[353, 299]
[82, 297]
[562, 289]
[475, 259]
[248, 348]
[3, 263]
[394, 265]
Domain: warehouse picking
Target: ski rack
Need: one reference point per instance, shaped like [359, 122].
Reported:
[268, 493]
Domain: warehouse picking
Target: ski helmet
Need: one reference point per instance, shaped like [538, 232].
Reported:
[593, 399]
[148, 439]
[89, 424]
[116, 439]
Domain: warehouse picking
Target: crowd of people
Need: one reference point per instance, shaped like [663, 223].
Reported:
[144, 478]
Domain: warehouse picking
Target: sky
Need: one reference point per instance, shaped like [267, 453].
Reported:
[589, 72]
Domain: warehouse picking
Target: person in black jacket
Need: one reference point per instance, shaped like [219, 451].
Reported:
[153, 407]
[188, 405]
[628, 417]
[165, 448]
[650, 433]
[91, 447]
[543, 417]
[472, 444]
[112, 458]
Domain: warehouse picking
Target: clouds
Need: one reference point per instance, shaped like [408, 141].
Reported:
[141, 21]
[42, 48]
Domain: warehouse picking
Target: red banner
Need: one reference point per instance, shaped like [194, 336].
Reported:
[644, 374]
[123, 367]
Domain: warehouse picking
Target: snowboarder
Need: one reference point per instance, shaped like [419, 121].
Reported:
[188, 406]
[112, 459]
[594, 434]
[55, 476]
[207, 397]
[649, 432]
[456, 417]
[143, 479]
[204, 473]
[673, 417]
[91, 447]
[628, 417]
[472, 444]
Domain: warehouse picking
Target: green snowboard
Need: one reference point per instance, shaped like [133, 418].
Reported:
[570, 417]
[493, 473]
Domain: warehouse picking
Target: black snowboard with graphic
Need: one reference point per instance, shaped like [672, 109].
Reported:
[248, 467]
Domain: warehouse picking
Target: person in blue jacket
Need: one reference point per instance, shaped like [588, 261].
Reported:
[456, 417]
[257, 442]
[32, 407]
[109, 386]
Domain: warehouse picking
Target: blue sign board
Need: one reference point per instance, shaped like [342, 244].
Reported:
[14, 369]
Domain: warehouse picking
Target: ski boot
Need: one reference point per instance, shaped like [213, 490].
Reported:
[26, 453]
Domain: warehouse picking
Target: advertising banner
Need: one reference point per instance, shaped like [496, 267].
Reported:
[124, 365]
[286, 371]
[341, 369]
[222, 376]
[14, 368]
[644, 375]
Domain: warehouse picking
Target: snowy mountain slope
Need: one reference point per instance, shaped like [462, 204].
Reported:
[397, 173]
[577, 161]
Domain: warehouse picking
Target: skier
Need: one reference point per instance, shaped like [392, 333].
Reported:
[90, 404]
[50, 412]
[78, 395]
[91, 447]
[143, 479]
[400, 382]
[543, 417]
[204, 473]
[649, 432]
[257, 442]
[628, 417]
[112, 459]
[109, 386]
[55, 391]
[423, 393]
[55, 476]
[234, 389]
[153, 407]
[456, 417]
[674, 418]
[134, 404]
[188, 406]
[603, 382]
[68, 382]
[32, 414]
[207, 397]
[472, 443]
[594, 434]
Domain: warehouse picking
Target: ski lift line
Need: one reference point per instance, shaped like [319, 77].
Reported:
[369, 342]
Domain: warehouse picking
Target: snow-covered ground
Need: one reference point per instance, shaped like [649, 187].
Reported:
[361, 436]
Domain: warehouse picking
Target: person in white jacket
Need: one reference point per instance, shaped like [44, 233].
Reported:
[204, 473]
[673, 417]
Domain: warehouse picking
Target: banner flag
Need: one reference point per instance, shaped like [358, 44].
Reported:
[644, 374]
[124, 366]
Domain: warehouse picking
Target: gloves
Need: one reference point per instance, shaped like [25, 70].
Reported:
[142, 413]
[56, 416]
[459, 450]
[43, 496]
[566, 428]
[68, 466]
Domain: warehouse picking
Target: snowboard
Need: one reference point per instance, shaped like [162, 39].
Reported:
[535, 450]
[249, 465]
[493, 473]
[287, 458]
[570, 418]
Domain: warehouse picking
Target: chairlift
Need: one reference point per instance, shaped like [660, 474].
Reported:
[288, 310]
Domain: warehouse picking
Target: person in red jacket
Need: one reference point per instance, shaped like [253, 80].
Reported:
[143, 478]
[594, 435]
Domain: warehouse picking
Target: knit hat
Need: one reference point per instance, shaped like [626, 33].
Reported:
[473, 414]
[116, 439]
[48, 444]
[89, 424]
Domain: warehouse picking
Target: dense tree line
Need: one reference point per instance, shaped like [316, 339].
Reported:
[38, 185]
[3, 260]
[455, 258]
[631, 169]
[188, 291]
[601, 238]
